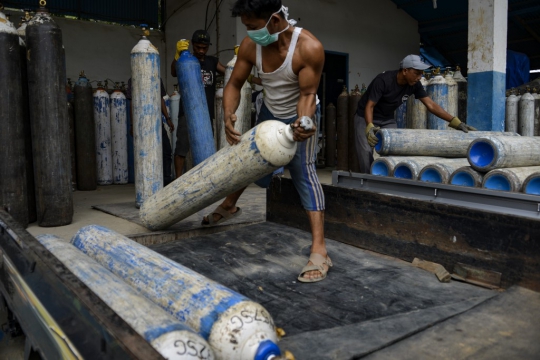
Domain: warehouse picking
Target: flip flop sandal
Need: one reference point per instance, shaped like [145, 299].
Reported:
[318, 261]
[225, 215]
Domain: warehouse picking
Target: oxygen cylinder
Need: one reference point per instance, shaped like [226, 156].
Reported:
[166, 334]
[526, 114]
[199, 124]
[512, 106]
[416, 110]
[30, 187]
[401, 115]
[462, 94]
[71, 118]
[220, 124]
[263, 149]
[13, 184]
[330, 128]
[130, 140]
[363, 90]
[119, 136]
[452, 94]
[85, 134]
[50, 128]
[175, 111]
[102, 118]
[466, 176]
[437, 90]
[243, 113]
[342, 124]
[146, 105]
[235, 327]
[536, 112]
[354, 98]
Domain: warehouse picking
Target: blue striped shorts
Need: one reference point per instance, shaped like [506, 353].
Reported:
[302, 166]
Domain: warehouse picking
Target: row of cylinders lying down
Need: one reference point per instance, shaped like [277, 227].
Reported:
[449, 90]
[181, 313]
[492, 160]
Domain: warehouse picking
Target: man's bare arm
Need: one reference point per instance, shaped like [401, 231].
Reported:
[312, 53]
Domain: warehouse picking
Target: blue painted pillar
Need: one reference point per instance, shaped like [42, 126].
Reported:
[487, 64]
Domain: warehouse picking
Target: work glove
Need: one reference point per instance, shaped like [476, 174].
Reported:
[371, 130]
[455, 123]
[181, 45]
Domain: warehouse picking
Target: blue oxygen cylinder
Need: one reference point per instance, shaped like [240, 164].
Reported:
[193, 96]
[401, 115]
[119, 136]
[170, 337]
[146, 104]
[129, 123]
[437, 90]
[103, 136]
[235, 327]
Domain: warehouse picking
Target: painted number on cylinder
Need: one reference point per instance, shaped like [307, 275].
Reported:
[191, 348]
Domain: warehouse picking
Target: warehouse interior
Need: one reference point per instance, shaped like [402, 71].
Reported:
[435, 247]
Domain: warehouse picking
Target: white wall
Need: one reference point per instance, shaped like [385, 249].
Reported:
[101, 50]
[375, 34]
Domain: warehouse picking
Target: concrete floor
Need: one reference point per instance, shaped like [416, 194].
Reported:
[84, 214]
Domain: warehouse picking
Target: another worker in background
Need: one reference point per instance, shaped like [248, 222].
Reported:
[383, 96]
[210, 67]
[289, 61]
[166, 144]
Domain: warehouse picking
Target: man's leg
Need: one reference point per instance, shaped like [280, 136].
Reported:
[228, 204]
[305, 180]
[363, 150]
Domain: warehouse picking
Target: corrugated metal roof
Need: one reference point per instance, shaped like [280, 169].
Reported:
[445, 28]
[129, 12]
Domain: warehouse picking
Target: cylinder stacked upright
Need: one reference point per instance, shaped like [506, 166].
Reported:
[452, 94]
[146, 102]
[85, 134]
[416, 110]
[512, 111]
[437, 90]
[342, 125]
[102, 118]
[119, 136]
[354, 98]
[243, 113]
[50, 128]
[462, 95]
[31, 189]
[330, 138]
[195, 105]
[13, 186]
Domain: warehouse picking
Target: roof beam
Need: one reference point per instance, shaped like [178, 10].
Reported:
[527, 28]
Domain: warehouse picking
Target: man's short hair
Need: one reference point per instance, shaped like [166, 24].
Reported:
[261, 9]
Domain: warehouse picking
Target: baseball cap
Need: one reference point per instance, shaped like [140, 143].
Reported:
[413, 61]
[201, 37]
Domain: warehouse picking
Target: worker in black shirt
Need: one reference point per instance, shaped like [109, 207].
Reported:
[383, 96]
[210, 66]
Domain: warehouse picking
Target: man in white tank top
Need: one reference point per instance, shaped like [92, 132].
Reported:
[290, 62]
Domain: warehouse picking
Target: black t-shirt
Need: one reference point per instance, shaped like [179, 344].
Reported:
[209, 74]
[388, 95]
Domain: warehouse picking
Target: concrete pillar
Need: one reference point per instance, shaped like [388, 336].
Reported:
[487, 64]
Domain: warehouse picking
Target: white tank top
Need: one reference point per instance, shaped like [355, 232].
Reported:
[281, 87]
